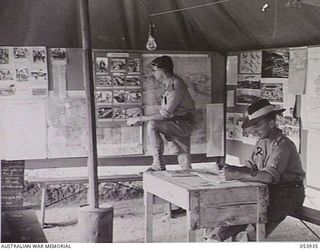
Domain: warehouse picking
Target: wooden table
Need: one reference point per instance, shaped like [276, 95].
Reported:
[21, 226]
[209, 202]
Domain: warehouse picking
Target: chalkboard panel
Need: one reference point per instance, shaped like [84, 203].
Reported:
[12, 183]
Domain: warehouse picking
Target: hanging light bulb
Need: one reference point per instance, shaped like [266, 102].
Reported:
[151, 44]
[264, 7]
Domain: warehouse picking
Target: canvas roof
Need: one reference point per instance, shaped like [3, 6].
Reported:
[123, 24]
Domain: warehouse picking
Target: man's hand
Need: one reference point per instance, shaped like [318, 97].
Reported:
[235, 173]
[132, 121]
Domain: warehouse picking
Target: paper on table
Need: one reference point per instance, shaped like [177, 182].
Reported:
[214, 179]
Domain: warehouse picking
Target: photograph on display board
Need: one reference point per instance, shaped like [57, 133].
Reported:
[20, 53]
[4, 56]
[118, 80]
[101, 65]
[103, 81]
[249, 81]
[133, 96]
[7, 90]
[249, 137]
[6, 75]
[287, 120]
[234, 126]
[119, 113]
[39, 55]
[117, 64]
[38, 75]
[133, 65]
[58, 53]
[272, 92]
[133, 81]
[290, 131]
[119, 96]
[105, 112]
[275, 64]
[250, 62]
[104, 96]
[133, 112]
[22, 74]
[247, 96]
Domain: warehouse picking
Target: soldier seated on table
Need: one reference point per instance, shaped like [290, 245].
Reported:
[175, 119]
[274, 161]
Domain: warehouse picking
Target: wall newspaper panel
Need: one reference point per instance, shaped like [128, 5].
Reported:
[118, 95]
[264, 74]
[23, 72]
[117, 87]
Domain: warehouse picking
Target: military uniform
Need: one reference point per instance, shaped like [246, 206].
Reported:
[177, 107]
[286, 193]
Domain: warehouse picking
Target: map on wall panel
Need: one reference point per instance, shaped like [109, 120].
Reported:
[195, 70]
[67, 127]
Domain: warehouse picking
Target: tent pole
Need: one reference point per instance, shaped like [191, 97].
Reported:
[92, 162]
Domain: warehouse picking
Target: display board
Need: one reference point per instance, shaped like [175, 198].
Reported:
[262, 74]
[117, 86]
[57, 122]
[23, 72]
[118, 96]
[23, 129]
[195, 70]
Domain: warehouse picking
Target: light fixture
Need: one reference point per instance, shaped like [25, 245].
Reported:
[151, 44]
[264, 7]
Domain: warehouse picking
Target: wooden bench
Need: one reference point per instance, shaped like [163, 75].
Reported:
[45, 182]
[308, 214]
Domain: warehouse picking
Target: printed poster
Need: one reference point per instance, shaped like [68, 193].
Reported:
[234, 130]
[248, 96]
[275, 63]
[232, 70]
[250, 62]
[297, 70]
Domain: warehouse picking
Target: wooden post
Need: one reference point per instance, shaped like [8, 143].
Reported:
[43, 203]
[148, 205]
[191, 234]
[89, 87]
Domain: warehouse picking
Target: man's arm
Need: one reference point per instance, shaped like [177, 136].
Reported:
[145, 118]
[246, 174]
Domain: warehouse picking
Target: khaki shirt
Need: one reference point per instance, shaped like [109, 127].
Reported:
[280, 159]
[176, 99]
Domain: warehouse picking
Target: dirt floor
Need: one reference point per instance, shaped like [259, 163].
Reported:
[128, 225]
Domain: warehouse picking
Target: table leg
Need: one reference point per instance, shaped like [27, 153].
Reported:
[148, 202]
[43, 203]
[191, 234]
[261, 232]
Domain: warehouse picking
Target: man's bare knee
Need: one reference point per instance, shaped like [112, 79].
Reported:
[151, 125]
